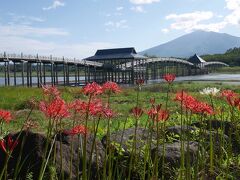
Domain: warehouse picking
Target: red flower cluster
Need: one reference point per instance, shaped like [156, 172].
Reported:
[139, 82]
[9, 146]
[169, 77]
[193, 104]
[95, 108]
[157, 114]
[79, 129]
[137, 112]
[110, 87]
[5, 116]
[50, 91]
[108, 113]
[56, 109]
[231, 97]
[92, 89]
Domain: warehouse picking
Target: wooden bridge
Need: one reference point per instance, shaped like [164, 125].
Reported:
[119, 65]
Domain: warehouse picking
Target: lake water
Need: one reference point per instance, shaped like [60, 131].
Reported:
[223, 78]
[34, 80]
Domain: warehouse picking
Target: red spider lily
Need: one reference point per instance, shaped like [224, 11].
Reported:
[152, 101]
[152, 113]
[92, 89]
[228, 93]
[110, 87]
[56, 109]
[181, 96]
[162, 115]
[94, 108]
[78, 106]
[79, 129]
[169, 77]
[137, 112]
[50, 91]
[108, 113]
[202, 108]
[231, 97]
[10, 146]
[192, 104]
[233, 101]
[140, 82]
[5, 116]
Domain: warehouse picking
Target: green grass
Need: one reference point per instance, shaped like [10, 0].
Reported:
[229, 70]
[17, 99]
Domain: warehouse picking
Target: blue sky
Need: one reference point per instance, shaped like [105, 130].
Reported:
[77, 28]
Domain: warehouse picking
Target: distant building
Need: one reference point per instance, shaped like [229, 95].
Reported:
[116, 65]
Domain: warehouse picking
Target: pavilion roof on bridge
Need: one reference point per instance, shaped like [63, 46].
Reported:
[196, 59]
[119, 53]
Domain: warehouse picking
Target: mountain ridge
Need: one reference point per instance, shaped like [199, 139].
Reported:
[197, 42]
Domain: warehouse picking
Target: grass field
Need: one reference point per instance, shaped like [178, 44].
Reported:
[18, 100]
[217, 156]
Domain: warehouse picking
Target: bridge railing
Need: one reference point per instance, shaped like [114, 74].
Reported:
[48, 59]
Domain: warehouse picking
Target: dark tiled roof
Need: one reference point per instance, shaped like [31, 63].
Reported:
[196, 59]
[120, 53]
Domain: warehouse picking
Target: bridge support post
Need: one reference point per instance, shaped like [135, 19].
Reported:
[89, 76]
[78, 75]
[95, 74]
[68, 74]
[38, 77]
[44, 73]
[40, 72]
[28, 82]
[8, 73]
[64, 74]
[56, 74]
[30, 71]
[52, 80]
[22, 73]
[76, 82]
[5, 72]
[14, 73]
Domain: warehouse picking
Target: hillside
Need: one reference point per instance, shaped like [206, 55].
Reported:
[231, 57]
[198, 42]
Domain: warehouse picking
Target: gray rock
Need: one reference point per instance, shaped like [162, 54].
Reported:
[172, 153]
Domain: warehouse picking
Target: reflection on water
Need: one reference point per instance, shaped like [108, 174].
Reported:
[223, 78]
[34, 80]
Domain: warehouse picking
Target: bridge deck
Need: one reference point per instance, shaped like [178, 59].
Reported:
[46, 59]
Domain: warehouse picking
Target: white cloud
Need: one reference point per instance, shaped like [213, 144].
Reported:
[32, 40]
[233, 4]
[191, 17]
[26, 30]
[194, 21]
[138, 9]
[56, 4]
[32, 46]
[111, 25]
[165, 30]
[119, 8]
[234, 17]
[143, 1]
[24, 20]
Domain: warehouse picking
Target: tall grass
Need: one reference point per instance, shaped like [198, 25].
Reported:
[143, 159]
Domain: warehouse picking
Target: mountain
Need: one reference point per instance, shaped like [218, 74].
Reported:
[198, 42]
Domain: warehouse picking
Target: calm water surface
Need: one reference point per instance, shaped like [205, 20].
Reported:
[223, 78]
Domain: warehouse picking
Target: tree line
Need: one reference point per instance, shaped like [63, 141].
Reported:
[230, 57]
